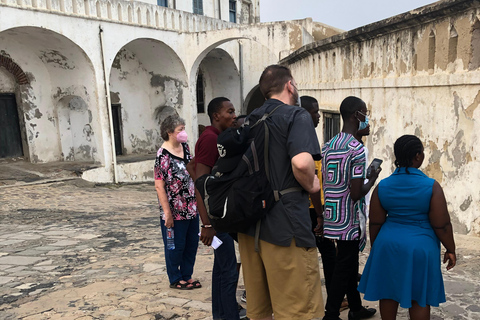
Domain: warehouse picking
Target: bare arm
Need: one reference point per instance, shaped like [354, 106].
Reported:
[358, 189]
[440, 222]
[378, 215]
[303, 168]
[162, 197]
[191, 169]
[317, 204]
[206, 234]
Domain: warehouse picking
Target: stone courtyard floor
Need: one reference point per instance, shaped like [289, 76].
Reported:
[75, 250]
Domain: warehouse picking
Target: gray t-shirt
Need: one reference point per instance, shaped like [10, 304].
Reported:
[291, 132]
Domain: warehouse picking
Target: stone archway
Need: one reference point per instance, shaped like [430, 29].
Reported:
[148, 81]
[48, 67]
[221, 78]
[254, 99]
[14, 69]
[12, 132]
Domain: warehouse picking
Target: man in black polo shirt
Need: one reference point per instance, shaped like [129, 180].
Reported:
[283, 277]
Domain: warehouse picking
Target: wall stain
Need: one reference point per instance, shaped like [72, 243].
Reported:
[433, 170]
[56, 59]
[38, 114]
[115, 97]
[71, 155]
[158, 80]
[464, 206]
[471, 108]
[459, 151]
[86, 151]
[5, 54]
[88, 132]
[30, 76]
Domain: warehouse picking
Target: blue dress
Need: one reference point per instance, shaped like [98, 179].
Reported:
[404, 263]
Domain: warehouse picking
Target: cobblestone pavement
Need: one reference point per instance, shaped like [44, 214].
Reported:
[73, 250]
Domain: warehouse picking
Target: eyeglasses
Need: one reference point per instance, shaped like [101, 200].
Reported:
[367, 114]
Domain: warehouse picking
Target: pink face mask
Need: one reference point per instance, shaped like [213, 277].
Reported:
[182, 136]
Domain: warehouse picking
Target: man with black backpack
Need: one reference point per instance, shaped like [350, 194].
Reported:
[282, 276]
[224, 275]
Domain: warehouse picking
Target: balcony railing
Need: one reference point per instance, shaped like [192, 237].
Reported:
[127, 12]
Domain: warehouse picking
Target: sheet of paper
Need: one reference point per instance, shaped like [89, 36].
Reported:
[215, 242]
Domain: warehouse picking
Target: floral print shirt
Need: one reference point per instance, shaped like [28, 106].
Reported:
[179, 185]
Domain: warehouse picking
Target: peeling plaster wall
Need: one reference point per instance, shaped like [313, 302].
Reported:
[221, 78]
[412, 86]
[53, 74]
[7, 81]
[32, 101]
[143, 94]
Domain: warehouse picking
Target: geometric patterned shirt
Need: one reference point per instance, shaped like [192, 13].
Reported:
[343, 160]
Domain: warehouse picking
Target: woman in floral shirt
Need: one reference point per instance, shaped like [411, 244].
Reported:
[178, 206]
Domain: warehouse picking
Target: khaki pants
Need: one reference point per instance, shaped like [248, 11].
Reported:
[284, 281]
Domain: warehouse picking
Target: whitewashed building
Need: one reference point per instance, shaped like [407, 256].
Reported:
[90, 81]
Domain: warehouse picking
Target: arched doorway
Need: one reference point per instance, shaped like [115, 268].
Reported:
[147, 83]
[219, 76]
[53, 68]
[254, 99]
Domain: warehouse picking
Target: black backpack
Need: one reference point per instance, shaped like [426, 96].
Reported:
[237, 193]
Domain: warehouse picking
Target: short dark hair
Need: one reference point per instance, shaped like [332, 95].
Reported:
[350, 105]
[273, 80]
[405, 149]
[215, 105]
[307, 102]
[169, 124]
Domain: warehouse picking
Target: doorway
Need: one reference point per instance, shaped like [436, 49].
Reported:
[117, 129]
[10, 136]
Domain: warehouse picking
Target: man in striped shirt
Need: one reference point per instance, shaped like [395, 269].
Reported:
[343, 172]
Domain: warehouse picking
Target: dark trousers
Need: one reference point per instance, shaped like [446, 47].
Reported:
[181, 260]
[344, 280]
[224, 280]
[327, 250]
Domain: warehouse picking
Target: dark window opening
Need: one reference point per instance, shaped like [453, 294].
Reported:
[162, 3]
[452, 45]
[233, 11]
[198, 7]
[200, 93]
[331, 125]
[10, 136]
[475, 47]
[117, 128]
[431, 51]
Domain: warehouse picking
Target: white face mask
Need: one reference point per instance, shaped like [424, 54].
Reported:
[182, 136]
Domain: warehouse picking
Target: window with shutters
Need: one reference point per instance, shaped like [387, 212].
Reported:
[198, 6]
[233, 10]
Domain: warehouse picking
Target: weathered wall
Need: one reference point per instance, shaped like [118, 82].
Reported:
[7, 81]
[56, 68]
[148, 89]
[418, 74]
[144, 56]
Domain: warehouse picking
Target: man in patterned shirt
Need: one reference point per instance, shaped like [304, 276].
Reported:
[343, 171]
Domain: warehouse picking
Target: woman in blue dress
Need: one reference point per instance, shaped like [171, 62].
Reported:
[408, 220]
